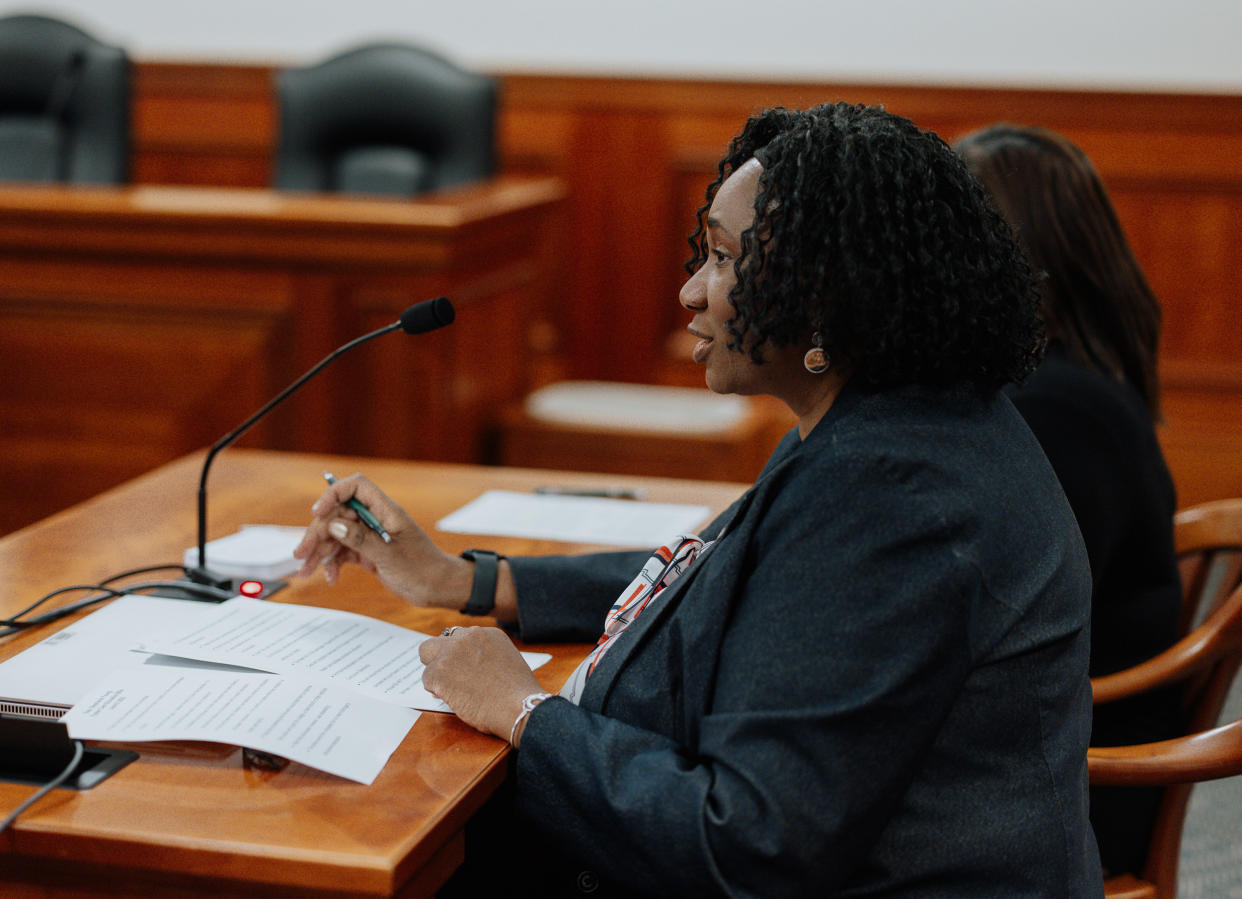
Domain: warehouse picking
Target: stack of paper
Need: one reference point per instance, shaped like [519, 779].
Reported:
[334, 690]
[260, 551]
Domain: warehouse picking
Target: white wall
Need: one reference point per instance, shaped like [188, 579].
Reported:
[1177, 45]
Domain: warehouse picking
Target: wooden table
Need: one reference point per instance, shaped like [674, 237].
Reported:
[140, 323]
[188, 819]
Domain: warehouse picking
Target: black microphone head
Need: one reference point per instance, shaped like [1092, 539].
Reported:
[427, 316]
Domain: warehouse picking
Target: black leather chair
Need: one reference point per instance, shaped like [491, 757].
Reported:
[384, 119]
[64, 104]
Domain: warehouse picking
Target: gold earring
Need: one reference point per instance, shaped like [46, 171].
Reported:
[816, 360]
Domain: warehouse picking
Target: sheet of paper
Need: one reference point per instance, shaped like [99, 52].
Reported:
[371, 656]
[261, 551]
[326, 727]
[611, 522]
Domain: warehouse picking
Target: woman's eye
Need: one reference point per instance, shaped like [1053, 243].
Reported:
[721, 256]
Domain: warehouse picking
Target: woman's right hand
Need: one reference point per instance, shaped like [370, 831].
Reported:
[411, 566]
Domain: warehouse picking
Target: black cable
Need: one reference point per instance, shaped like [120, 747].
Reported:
[52, 784]
[17, 623]
[100, 585]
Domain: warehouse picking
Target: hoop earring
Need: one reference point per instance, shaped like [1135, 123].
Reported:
[816, 360]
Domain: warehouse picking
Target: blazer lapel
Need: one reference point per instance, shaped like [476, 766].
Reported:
[599, 684]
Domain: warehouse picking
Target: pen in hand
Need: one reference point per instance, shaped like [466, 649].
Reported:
[368, 518]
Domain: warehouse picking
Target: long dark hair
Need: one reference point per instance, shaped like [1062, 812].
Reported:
[873, 232]
[1096, 300]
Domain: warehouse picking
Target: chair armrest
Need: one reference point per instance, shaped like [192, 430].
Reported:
[1127, 886]
[1219, 634]
[1208, 755]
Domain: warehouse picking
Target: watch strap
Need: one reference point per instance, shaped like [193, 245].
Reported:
[486, 571]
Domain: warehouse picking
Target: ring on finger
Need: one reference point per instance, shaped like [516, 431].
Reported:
[449, 631]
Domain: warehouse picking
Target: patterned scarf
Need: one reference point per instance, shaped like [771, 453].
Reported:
[666, 564]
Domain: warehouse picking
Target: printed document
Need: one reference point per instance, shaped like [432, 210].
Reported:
[326, 727]
[578, 519]
[349, 650]
[333, 690]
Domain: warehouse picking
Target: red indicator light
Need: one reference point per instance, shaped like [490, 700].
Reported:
[250, 588]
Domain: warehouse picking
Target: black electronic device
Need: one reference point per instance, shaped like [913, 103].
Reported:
[35, 750]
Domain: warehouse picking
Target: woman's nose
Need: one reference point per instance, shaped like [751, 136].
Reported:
[693, 294]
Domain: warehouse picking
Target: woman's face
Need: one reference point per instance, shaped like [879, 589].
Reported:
[706, 294]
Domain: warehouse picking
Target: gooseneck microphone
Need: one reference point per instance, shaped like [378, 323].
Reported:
[418, 319]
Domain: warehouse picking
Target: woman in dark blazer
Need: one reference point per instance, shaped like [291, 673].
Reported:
[868, 676]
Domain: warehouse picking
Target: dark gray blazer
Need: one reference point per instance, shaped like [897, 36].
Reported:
[875, 683]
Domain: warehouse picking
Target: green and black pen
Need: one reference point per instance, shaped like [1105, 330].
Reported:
[368, 518]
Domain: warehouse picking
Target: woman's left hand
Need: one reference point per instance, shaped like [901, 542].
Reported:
[481, 675]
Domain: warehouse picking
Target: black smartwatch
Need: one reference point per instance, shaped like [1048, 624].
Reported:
[483, 593]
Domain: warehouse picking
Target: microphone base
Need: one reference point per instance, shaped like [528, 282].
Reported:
[205, 585]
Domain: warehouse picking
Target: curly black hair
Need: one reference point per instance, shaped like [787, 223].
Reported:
[874, 233]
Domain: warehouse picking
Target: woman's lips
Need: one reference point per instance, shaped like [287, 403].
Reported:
[702, 348]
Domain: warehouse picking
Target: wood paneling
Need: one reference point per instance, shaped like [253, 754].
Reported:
[140, 323]
[203, 124]
[636, 154]
[1172, 162]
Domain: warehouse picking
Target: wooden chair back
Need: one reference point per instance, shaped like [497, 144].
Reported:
[1206, 662]
[1208, 540]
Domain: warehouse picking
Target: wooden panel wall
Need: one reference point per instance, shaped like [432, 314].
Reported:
[637, 154]
[142, 323]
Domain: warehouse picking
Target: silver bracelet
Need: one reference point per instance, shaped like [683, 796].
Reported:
[528, 705]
